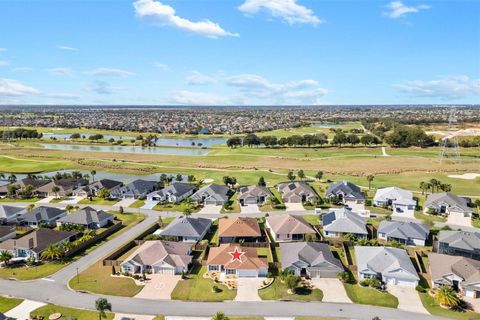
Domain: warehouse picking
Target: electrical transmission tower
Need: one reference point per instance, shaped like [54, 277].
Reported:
[449, 143]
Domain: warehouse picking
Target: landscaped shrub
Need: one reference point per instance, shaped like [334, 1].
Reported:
[364, 283]
[419, 288]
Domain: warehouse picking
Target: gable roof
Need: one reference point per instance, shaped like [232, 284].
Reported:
[218, 192]
[136, 187]
[86, 216]
[187, 227]
[37, 240]
[387, 261]
[153, 252]
[460, 239]
[41, 214]
[248, 260]
[344, 221]
[289, 224]
[239, 227]
[177, 189]
[404, 230]
[253, 191]
[7, 212]
[36, 183]
[437, 199]
[442, 265]
[63, 184]
[398, 195]
[347, 189]
[295, 188]
[100, 184]
[6, 230]
[311, 253]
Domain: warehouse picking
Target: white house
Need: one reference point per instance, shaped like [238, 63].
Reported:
[399, 200]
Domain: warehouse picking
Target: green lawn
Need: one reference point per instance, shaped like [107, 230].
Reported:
[7, 304]
[137, 204]
[198, 288]
[235, 207]
[15, 165]
[434, 309]
[19, 200]
[68, 313]
[266, 253]
[98, 201]
[361, 295]
[30, 273]
[314, 220]
[279, 291]
[180, 207]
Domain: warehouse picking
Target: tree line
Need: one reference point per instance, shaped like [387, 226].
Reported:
[20, 133]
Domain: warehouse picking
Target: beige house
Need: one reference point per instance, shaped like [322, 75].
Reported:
[296, 192]
[234, 229]
[287, 227]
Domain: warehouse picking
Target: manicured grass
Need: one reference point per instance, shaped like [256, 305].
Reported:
[434, 309]
[15, 165]
[57, 200]
[137, 204]
[180, 207]
[68, 313]
[279, 291]
[98, 201]
[97, 278]
[198, 288]
[370, 296]
[30, 273]
[235, 206]
[313, 219]
[7, 304]
[265, 252]
[19, 200]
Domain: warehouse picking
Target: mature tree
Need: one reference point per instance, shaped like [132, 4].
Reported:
[445, 187]
[2, 176]
[102, 305]
[291, 176]
[339, 139]
[319, 175]
[301, 174]
[349, 237]
[353, 139]
[69, 208]
[446, 296]
[423, 186]
[251, 140]
[12, 178]
[27, 191]
[93, 173]
[234, 142]
[370, 178]
[220, 316]
[5, 257]
[55, 189]
[261, 182]
[52, 252]
[178, 177]
[344, 276]
[30, 207]
[12, 190]
[292, 282]
[103, 193]
[191, 178]
[434, 184]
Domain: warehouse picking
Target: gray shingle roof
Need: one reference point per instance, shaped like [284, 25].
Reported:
[255, 191]
[8, 212]
[153, 252]
[344, 221]
[218, 192]
[436, 199]
[177, 189]
[347, 189]
[404, 230]
[386, 261]
[137, 187]
[460, 239]
[187, 227]
[311, 253]
[86, 216]
[41, 214]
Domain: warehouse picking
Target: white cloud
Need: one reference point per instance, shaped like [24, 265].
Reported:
[288, 10]
[22, 69]
[11, 87]
[198, 78]
[451, 87]
[397, 9]
[60, 71]
[161, 66]
[66, 48]
[109, 72]
[101, 87]
[165, 15]
[4, 63]
[199, 98]
[3, 49]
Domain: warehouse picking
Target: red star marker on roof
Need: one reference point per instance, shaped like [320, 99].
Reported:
[237, 255]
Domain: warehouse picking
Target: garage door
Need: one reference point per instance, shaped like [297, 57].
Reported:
[406, 283]
[247, 273]
[251, 200]
[165, 271]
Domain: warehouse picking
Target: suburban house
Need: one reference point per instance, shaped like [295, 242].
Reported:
[286, 227]
[7, 232]
[448, 204]
[234, 260]
[65, 186]
[462, 273]
[405, 233]
[42, 215]
[135, 189]
[10, 213]
[240, 228]
[339, 222]
[187, 229]
[35, 183]
[311, 259]
[174, 193]
[88, 218]
[459, 243]
[296, 192]
[399, 200]
[390, 265]
[348, 193]
[32, 244]
[212, 194]
[160, 257]
[253, 195]
[92, 189]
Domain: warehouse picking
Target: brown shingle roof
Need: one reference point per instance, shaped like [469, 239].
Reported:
[239, 227]
[288, 224]
[249, 260]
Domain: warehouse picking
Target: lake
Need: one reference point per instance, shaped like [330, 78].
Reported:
[167, 142]
[128, 149]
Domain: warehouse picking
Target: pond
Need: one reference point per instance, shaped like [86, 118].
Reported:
[327, 124]
[128, 149]
[167, 142]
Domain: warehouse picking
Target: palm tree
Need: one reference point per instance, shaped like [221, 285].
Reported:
[434, 184]
[27, 191]
[220, 316]
[55, 190]
[12, 178]
[301, 174]
[93, 173]
[446, 296]
[30, 207]
[102, 304]
[5, 257]
[319, 175]
[423, 186]
[2, 176]
[370, 178]
[53, 252]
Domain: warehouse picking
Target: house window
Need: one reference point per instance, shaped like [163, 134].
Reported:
[230, 271]
[212, 268]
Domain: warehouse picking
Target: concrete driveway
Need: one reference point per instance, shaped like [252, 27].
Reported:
[123, 316]
[333, 290]
[45, 200]
[22, 311]
[150, 205]
[294, 206]
[72, 200]
[457, 219]
[125, 202]
[159, 287]
[408, 298]
[247, 289]
[210, 209]
[249, 208]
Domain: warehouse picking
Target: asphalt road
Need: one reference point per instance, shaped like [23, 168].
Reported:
[54, 289]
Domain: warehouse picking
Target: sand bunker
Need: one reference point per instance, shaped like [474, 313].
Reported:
[465, 176]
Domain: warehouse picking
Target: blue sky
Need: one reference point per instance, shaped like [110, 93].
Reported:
[243, 52]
